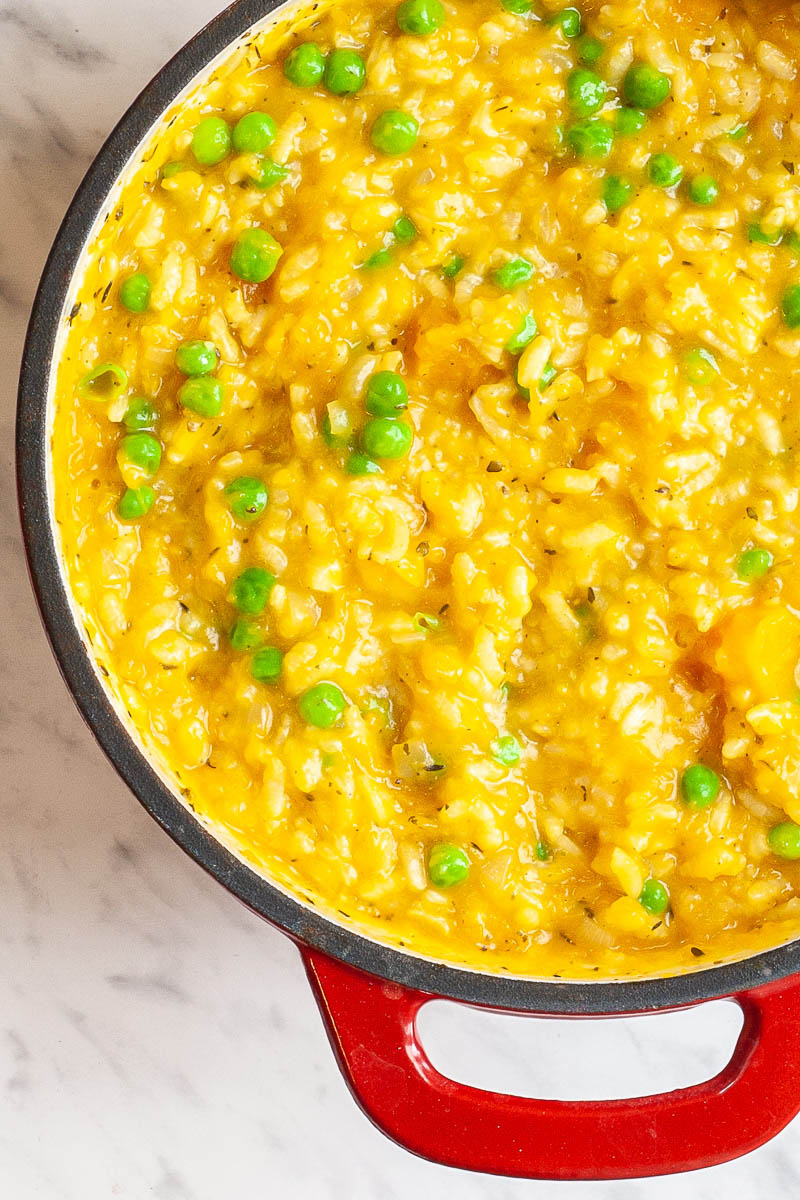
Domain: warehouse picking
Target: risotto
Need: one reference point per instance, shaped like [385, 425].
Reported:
[426, 470]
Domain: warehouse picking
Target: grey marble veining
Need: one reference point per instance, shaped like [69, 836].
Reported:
[156, 1040]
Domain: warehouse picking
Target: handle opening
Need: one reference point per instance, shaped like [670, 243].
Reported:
[564, 1059]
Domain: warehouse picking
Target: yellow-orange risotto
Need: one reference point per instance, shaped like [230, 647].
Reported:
[426, 468]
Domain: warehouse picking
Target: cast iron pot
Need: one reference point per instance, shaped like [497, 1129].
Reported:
[369, 994]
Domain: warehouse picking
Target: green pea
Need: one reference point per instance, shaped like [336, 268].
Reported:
[753, 564]
[266, 664]
[245, 636]
[628, 121]
[452, 267]
[342, 437]
[645, 87]
[420, 17]
[760, 237]
[701, 366]
[211, 141]
[519, 8]
[586, 91]
[197, 358]
[547, 376]
[380, 705]
[104, 382]
[394, 132]
[592, 138]
[426, 622]
[784, 840]
[699, 786]
[654, 897]
[525, 333]
[140, 414]
[135, 503]
[171, 169]
[202, 395]
[526, 392]
[545, 379]
[361, 464]
[703, 190]
[134, 293]
[790, 306]
[738, 131]
[384, 437]
[322, 705]
[251, 590]
[305, 65]
[664, 171]
[506, 750]
[255, 255]
[254, 132]
[247, 497]
[143, 450]
[513, 273]
[404, 230]
[345, 72]
[269, 174]
[542, 851]
[583, 610]
[447, 865]
[386, 396]
[568, 20]
[617, 192]
[590, 49]
[381, 258]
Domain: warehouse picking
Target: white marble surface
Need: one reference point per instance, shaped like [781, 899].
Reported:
[157, 1040]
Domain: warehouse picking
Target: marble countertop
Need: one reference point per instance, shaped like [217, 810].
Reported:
[156, 1039]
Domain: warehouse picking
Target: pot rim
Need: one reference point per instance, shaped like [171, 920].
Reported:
[303, 923]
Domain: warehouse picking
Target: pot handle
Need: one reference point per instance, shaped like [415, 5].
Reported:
[371, 1025]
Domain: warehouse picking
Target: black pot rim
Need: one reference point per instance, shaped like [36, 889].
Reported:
[304, 924]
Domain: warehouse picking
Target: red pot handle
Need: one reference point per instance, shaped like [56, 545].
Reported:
[372, 1028]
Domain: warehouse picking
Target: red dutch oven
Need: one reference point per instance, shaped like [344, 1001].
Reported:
[369, 994]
